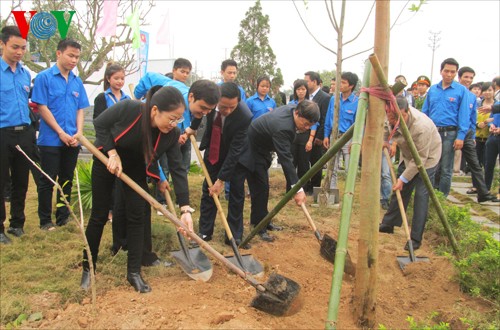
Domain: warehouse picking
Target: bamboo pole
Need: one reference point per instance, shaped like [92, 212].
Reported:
[345, 215]
[367, 266]
[421, 169]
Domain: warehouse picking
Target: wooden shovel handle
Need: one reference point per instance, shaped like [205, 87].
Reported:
[308, 216]
[132, 184]
[210, 184]
[398, 195]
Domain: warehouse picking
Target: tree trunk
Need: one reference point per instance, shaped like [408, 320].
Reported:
[366, 270]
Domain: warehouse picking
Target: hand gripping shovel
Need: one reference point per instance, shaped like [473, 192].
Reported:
[194, 262]
[403, 260]
[246, 262]
[328, 245]
[275, 296]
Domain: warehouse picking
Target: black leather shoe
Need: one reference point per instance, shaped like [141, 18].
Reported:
[487, 198]
[244, 247]
[18, 232]
[383, 228]
[4, 239]
[135, 279]
[415, 244]
[266, 237]
[85, 282]
[273, 227]
[62, 222]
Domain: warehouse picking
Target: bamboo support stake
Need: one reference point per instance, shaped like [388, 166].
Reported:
[347, 201]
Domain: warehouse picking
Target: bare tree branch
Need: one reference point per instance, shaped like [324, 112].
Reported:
[361, 52]
[362, 28]
[331, 15]
[310, 33]
[399, 15]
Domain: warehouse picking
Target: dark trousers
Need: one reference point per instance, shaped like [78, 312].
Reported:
[470, 155]
[492, 150]
[102, 185]
[13, 164]
[59, 163]
[481, 151]
[316, 154]
[301, 160]
[208, 209]
[119, 226]
[258, 183]
[420, 204]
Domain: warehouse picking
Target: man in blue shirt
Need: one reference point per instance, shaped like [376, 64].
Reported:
[61, 98]
[229, 72]
[465, 77]
[15, 129]
[446, 104]
[347, 115]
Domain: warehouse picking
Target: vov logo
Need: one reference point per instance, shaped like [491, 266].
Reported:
[43, 25]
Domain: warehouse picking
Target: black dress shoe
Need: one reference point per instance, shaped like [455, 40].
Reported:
[135, 279]
[244, 247]
[383, 228]
[266, 237]
[4, 239]
[206, 238]
[62, 222]
[85, 282]
[415, 244]
[487, 198]
[18, 232]
[273, 227]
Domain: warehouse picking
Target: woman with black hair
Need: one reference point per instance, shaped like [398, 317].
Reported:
[133, 135]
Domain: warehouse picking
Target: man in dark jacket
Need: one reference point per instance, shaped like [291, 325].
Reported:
[223, 141]
[274, 131]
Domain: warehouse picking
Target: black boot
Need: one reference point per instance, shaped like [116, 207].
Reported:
[135, 279]
[85, 282]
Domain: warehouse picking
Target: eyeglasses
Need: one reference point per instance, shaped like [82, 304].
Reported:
[176, 121]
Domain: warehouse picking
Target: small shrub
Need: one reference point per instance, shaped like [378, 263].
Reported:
[84, 169]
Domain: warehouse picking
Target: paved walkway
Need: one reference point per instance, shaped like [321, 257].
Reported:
[461, 188]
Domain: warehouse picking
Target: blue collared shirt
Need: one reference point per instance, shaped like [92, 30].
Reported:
[111, 98]
[14, 91]
[496, 118]
[347, 114]
[64, 100]
[149, 80]
[260, 107]
[448, 107]
[472, 103]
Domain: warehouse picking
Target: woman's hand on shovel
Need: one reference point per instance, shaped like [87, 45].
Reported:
[164, 186]
[114, 163]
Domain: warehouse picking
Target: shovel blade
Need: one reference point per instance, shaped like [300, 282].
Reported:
[248, 264]
[278, 297]
[405, 260]
[197, 265]
[328, 247]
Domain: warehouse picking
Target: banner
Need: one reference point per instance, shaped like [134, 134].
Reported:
[143, 53]
[107, 23]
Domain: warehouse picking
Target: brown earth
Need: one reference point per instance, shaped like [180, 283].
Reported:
[223, 302]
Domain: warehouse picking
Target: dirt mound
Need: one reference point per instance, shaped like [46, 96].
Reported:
[223, 302]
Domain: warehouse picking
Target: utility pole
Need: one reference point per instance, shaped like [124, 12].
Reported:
[434, 40]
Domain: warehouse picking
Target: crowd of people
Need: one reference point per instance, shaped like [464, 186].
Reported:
[147, 136]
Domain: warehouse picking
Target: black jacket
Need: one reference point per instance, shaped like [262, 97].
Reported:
[274, 131]
[233, 139]
[119, 127]
[322, 99]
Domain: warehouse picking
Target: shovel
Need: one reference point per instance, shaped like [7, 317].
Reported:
[194, 262]
[328, 245]
[276, 296]
[403, 260]
[246, 262]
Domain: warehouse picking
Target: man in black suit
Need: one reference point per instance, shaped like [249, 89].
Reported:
[223, 141]
[322, 99]
[274, 131]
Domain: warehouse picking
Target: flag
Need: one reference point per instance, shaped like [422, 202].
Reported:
[144, 52]
[133, 22]
[107, 24]
[163, 35]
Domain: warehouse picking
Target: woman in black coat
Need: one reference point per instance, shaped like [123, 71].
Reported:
[134, 135]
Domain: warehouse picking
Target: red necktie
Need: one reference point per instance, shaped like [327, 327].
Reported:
[215, 139]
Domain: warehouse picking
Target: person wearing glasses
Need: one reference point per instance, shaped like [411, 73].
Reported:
[133, 135]
[274, 131]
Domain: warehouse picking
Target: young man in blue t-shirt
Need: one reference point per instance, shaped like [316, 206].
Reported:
[61, 98]
[15, 129]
